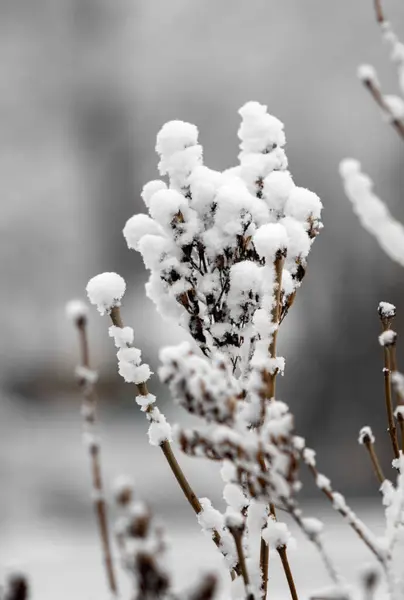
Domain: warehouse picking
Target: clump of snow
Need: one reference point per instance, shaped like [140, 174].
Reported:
[123, 336]
[89, 376]
[372, 212]
[388, 338]
[367, 73]
[105, 291]
[159, 430]
[76, 311]
[386, 310]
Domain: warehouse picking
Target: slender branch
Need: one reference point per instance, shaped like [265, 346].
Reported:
[379, 12]
[375, 461]
[286, 567]
[167, 450]
[90, 402]
[387, 395]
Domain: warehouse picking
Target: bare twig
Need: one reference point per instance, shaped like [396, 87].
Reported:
[90, 402]
[387, 393]
[379, 12]
[167, 450]
[375, 460]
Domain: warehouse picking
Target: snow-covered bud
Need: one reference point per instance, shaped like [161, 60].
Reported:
[269, 240]
[105, 291]
[302, 204]
[386, 310]
[370, 578]
[123, 490]
[134, 374]
[234, 496]
[123, 336]
[312, 526]
[276, 534]
[366, 436]
[259, 132]
[77, 311]
[138, 226]
[388, 338]
[150, 189]
[399, 413]
[209, 518]
[395, 107]
[367, 74]
[160, 430]
[234, 520]
[85, 375]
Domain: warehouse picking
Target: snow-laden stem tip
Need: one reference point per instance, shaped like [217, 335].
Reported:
[86, 379]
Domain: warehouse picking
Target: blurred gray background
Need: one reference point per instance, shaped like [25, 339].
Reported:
[84, 87]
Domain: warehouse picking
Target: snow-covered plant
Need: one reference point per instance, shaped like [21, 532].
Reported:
[371, 210]
[227, 252]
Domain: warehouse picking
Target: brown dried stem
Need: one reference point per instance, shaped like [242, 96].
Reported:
[237, 534]
[369, 445]
[388, 397]
[379, 12]
[90, 401]
[286, 567]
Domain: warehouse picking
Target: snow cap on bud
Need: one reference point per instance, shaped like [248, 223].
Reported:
[105, 291]
[386, 310]
[366, 436]
[76, 311]
[269, 239]
[367, 73]
[149, 189]
[138, 226]
[387, 338]
[174, 136]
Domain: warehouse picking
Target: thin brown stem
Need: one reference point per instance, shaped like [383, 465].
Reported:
[378, 97]
[286, 567]
[238, 540]
[375, 461]
[90, 402]
[389, 404]
[167, 450]
[379, 12]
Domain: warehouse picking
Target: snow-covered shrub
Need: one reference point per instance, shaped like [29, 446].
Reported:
[227, 252]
